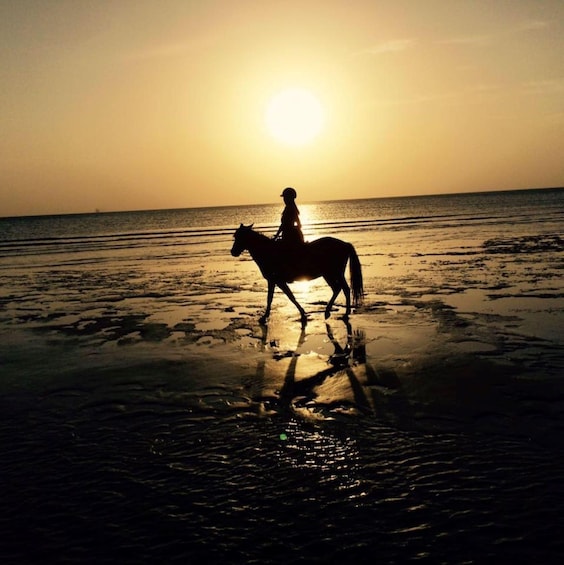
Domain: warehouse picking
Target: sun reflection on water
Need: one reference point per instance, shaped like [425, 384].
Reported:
[310, 215]
[333, 459]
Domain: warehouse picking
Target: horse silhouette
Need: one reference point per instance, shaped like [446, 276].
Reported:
[281, 264]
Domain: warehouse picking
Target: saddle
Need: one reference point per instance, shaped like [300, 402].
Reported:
[289, 248]
[292, 258]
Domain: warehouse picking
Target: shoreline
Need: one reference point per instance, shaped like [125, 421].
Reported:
[420, 362]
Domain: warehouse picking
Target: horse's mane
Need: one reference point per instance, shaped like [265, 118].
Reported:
[258, 234]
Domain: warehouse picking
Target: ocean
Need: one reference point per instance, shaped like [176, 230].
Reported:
[147, 416]
[163, 229]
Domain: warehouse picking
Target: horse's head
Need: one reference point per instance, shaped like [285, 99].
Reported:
[241, 238]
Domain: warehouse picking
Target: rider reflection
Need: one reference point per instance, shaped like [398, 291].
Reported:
[343, 360]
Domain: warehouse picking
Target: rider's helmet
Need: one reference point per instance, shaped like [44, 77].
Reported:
[289, 192]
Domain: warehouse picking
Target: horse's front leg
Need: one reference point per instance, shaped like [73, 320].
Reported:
[263, 319]
[286, 289]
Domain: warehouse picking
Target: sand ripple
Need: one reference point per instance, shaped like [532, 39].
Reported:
[113, 472]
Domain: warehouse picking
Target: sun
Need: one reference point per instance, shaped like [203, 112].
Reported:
[294, 116]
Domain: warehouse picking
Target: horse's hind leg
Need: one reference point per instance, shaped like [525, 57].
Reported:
[337, 285]
[347, 293]
[336, 291]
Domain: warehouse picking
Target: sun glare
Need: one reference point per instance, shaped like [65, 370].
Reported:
[294, 116]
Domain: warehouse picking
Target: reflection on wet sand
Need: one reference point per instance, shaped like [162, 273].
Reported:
[342, 360]
[338, 380]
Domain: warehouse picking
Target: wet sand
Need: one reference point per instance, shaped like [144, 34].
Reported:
[433, 323]
[147, 407]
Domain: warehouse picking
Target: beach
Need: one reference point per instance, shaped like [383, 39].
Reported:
[147, 415]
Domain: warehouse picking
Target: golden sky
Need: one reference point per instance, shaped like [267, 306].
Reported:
[134, 104]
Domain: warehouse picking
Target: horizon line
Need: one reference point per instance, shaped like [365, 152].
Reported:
[433, 195]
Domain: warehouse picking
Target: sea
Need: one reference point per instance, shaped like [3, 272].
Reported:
[148, 417]
[87, 238]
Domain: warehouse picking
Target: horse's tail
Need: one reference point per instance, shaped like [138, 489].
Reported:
[356, 278]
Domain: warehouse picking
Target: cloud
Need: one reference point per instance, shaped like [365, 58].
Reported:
[548, 86]
[532, 25]
[483, 40]
[466, 40]
[415, 100]
[166, 50]
[173, 49]
[392, 46]
[471, 94]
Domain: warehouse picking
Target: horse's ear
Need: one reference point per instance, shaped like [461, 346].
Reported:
[251, 226]
[241, 225]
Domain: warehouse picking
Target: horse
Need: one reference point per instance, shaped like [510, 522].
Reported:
[280, 264]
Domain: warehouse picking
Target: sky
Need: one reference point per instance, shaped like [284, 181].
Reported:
[134, 104]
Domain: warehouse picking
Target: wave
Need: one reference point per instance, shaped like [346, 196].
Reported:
[89, 238]
[22, 246]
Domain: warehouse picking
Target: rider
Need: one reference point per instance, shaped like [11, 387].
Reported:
[290, 230]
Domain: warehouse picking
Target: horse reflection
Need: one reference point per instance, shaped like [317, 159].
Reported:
[297, 394]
